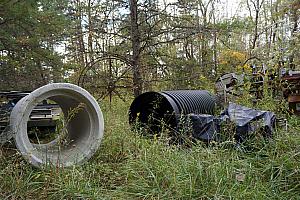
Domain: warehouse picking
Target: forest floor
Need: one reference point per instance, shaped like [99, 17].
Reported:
[129, 166]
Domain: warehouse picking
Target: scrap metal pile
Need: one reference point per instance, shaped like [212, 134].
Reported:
[44, 115]
[229, 85]
[291, 90]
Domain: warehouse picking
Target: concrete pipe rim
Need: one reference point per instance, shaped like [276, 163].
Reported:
[87, 136]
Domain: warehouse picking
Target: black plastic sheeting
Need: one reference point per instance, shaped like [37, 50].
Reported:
[249, 120]
[246, 121]
[200, 127]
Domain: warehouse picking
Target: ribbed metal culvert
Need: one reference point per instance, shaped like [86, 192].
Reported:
[153, 110]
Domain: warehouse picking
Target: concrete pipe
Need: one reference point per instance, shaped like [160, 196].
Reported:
[83, 128]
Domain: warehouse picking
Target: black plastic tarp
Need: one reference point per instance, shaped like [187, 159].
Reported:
[246, 121]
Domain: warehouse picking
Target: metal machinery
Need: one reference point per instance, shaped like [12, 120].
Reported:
[291, 90]
[42, 116]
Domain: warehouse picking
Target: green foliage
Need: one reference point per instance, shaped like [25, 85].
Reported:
[29, 32]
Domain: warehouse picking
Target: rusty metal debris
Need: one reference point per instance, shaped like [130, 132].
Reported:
[291, 90]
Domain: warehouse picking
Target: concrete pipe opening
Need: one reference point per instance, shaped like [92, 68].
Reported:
[79, 136]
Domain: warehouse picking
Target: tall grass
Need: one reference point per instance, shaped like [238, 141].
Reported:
[130, 166]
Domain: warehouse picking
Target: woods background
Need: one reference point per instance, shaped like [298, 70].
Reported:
[118, 49]
[124, 47]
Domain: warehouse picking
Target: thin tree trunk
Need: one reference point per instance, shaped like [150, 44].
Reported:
[81, 48]
[295, 18]
[255, 26]
[90, 36]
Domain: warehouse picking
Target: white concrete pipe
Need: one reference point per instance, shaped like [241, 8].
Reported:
[84, 129]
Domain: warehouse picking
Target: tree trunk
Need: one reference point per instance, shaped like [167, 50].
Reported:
[136, 46]
[81, 46]
[255, 29]
[90, 36]
[295, 18]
